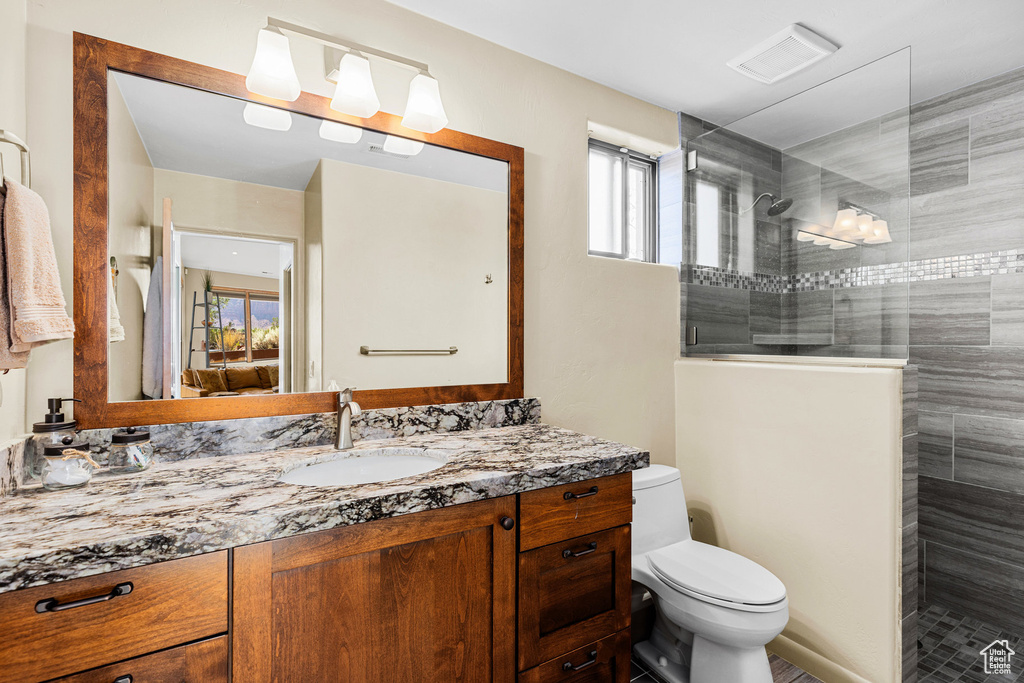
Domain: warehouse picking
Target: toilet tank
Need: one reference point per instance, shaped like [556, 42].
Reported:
[659, 510]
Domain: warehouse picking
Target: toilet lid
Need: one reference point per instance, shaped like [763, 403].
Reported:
[704, 569]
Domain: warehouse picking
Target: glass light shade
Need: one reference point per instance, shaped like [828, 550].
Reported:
[424, 111]
[266, 117]
[404, 146]
[355, 94]
[846, 222]
[821, 241]
[879, 233]
[864, 225]
[340, 132]
[272, 73]
[837, 245]
[802, 236]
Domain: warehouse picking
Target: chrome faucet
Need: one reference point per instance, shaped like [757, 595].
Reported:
[347, 409]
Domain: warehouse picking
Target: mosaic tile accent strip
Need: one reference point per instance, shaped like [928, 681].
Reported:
[948, 267]
[951, 646]
[720, 277]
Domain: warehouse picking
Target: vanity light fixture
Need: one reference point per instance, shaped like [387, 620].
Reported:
[879, 233]
[354, 93]
[424, 111]
[266, 117]
[340, 132]
[403, 146]
[272, 72]
[347, 65]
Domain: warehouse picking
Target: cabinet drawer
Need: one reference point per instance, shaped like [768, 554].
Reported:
[168, 604]
[572, 510]
[606, 661]
[205, 661]
[572, 593]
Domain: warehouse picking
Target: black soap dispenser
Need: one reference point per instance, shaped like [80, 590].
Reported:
[51, 432]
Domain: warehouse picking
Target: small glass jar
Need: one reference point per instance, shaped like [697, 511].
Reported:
[130, 451]
[66, 466]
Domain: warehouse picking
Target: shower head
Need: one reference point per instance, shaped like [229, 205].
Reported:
[778, 206]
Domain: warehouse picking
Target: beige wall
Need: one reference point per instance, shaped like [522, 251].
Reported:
[798, 467]
[130, 241]
[601, 335]
[310, 370]
[421, 265]
[12, 117]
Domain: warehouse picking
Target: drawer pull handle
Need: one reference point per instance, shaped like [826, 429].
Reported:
[52, 605]
[591, 547]
[591, 661]
[569, 495]
[124, 679]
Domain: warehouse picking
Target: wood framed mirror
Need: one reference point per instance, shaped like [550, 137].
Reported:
[100, 66]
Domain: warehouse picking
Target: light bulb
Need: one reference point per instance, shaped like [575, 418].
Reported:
[266, 117]
[355, 94]
[272, 73]
[424, 111]
[340, 132]
[403, 146]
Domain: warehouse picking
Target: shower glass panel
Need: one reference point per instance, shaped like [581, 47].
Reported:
[796, 234]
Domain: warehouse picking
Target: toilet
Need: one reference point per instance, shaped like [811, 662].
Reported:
[715, 610]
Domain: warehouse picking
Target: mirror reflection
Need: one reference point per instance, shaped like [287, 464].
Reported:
[255, 251]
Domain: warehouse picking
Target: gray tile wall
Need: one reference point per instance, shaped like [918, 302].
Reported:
[909, 592]
[967, 338]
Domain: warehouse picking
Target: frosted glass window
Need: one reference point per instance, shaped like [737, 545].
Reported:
[622, 201]
[708, 229]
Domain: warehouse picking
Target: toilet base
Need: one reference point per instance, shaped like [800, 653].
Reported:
[712, 663]
[655, 660]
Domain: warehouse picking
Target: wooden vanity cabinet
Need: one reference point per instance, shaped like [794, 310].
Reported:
[428, 598]
[71, 626]
[575, 581]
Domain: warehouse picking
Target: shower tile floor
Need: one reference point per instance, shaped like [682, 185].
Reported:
[782, 672]
[951, 645]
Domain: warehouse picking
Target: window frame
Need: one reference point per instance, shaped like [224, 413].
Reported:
[630, 158]
[246, 356]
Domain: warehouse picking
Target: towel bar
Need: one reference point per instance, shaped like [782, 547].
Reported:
[450, 351]
[26, 162]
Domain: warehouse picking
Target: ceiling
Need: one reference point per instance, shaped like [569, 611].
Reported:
[674, 53]
[193, 131]
[261, 258]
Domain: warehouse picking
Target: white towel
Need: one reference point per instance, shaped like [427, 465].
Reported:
[115, 332]
[9, 360]
[152, 336]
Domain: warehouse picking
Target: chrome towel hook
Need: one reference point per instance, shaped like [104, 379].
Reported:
[26, 161]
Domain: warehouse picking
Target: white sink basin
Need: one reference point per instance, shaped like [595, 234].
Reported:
[367, 467]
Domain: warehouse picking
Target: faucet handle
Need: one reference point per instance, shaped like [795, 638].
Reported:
[346, 394]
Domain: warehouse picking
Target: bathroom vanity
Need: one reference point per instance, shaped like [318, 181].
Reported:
[511, 562]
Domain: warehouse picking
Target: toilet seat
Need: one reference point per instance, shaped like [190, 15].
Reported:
[717, 576]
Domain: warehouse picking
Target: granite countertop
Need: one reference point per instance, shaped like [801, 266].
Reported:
[198, 506]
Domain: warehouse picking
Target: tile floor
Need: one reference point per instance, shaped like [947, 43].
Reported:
[782, 672]
[951, 646]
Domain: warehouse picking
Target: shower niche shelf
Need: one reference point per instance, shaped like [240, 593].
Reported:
[792, 339]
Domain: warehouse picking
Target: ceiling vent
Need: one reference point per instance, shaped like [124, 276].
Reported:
[790, 50]
[379, 149]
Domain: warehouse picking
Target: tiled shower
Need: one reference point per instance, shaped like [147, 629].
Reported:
[947, 293]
